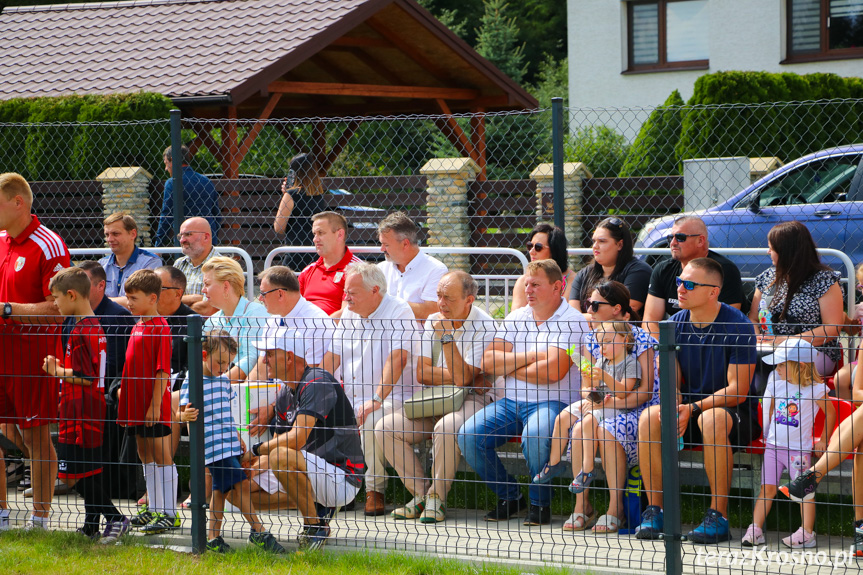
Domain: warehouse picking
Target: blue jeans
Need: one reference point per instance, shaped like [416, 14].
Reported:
[493, 426]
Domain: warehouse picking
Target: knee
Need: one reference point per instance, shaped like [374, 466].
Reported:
[648, 423]
[715, 426]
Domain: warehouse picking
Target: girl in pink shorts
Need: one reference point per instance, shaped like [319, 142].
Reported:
[794, 394]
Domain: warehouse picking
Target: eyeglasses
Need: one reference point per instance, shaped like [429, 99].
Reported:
[690, 285]
[184, 235]
[534, 246]
[176, 288]
[680, 237]
[264, 293]
[593, 305]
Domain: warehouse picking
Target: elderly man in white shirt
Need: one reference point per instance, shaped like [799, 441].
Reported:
[411, 275]
[530, 352]
[450, 353]
[373, 346]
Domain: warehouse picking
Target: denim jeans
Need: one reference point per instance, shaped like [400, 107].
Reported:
[493, 426]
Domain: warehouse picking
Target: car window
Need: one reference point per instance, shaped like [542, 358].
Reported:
[820, 181]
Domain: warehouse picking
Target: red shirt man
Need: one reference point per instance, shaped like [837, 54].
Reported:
[323, 282]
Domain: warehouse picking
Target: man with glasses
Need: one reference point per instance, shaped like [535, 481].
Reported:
[688, 240]
[196, 241]
[715, 364]
[121, 231]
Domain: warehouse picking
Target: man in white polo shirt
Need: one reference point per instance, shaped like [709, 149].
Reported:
[372, 344]
[530, 352]
[411, 275]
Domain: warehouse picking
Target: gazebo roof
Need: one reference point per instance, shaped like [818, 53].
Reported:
[323, 57]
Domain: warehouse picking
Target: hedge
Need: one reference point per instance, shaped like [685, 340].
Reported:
[57, 149]
[652, 153]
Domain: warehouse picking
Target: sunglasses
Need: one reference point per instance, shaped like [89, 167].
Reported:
[593, 305]
[263, 294]
[680, 237]
[616, 222]
[534, 246]
[166, 287]
[690, 285]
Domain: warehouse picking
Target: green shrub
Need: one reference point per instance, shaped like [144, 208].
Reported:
[600, 148]
[652, 153]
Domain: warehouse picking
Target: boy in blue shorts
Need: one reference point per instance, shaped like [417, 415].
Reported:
[222, 447]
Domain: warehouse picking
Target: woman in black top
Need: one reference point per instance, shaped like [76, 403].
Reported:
[299, 203]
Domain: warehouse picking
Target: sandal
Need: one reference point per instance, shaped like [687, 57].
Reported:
[581, 482]
[187, 503]
[549, 472]
[607, 524]
[144, 500]
[580, 521]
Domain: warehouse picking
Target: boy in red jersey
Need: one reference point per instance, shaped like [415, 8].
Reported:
[145, 401]
[82, 403]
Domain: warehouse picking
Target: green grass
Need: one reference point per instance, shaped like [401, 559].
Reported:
[67, 553]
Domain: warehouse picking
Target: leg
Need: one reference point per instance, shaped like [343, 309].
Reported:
[718, 459]
[396, 435]
[289, 466]
[445, 450]
[244, 504]
[589, 428]
[763, 505]
[614, 462]
[217, 512]
[538, 420]
[560, 436]
[650, 454]
[477, 440]
[847, 436]
[843, 382]
[44, 467]
[857, 485]
[376, 471]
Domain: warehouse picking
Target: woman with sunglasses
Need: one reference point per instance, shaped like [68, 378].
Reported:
[617, 437]
[302, 197]
[799, 295]
[613, 259]
[546, 242]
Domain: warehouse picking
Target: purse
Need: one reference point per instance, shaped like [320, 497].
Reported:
[434, 401]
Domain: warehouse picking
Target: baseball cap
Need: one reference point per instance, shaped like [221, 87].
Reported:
[792, 349]
[284, 339]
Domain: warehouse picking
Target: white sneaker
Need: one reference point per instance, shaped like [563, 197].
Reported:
[434, 511]
[34, 524]
[800, 539]
[412, 509]
[754, 536]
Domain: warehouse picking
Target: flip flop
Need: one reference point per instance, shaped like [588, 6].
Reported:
[143, 500]
[607, 524]
[587, 521]
[187, 503]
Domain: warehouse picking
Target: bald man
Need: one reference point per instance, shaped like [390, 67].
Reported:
[196, 241]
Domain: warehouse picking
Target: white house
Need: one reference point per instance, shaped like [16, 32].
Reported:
[633, 54]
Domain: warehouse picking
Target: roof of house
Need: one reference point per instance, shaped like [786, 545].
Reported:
[315, 52]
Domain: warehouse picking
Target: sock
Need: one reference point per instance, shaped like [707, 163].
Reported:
[4, 514]
[166, 478]
[43, 521]
[150, 480]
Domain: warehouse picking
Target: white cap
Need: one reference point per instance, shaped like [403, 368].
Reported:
[792, 349]
[284, 339]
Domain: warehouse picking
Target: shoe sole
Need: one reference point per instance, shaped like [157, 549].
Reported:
[648, 535]
[708, 540]
[752, 543]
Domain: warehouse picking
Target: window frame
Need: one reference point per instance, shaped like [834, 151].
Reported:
[663, 65]
[824, 53]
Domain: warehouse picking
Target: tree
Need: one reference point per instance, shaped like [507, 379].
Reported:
[652, 153]
[497, 40]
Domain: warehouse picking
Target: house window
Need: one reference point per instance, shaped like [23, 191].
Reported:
[668, 34]
[825, 29]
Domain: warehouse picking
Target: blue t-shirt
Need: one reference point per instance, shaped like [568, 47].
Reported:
[220, 433]
[199, 199]
[705, 354]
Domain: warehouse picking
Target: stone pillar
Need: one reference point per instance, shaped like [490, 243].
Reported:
[448, 224]
[574, 174]
[128, 190]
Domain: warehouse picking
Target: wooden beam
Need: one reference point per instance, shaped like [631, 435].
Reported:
[257, 127]
[319, 146]
[477, 138]
[375, 65]
[372, 90]
[408, 49]
[339, 146]
[361, 41]
[330, 64]
[230, 164]
[458, 137]
[206, 138]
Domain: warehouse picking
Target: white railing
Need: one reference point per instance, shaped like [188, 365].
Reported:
[425, 249]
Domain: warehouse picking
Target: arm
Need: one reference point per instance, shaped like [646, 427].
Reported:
[161, 383]
[825, 404]
[121, 301]
[203, 308]
[331, 362]
[519, 299]
[393, 368]
[427, 374]
[499, 359]
[654, 311]
[295, 438]
[52, 367]
[42, 313]
[286, 206]
[739, 376]
[753, 310]
[549, 367]
[423, 309]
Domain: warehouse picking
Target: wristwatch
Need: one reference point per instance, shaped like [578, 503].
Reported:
[377, 398]
[256, 449]
[448, 337]
[695, 409]
[7, 309]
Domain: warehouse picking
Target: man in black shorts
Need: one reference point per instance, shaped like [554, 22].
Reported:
[715, 365]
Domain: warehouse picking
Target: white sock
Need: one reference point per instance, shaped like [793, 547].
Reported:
[166, 478]
[4, 513]
[43, 521]
[150, 481]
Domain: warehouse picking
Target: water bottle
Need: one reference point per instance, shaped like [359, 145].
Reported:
[765, 319]
[632, 501]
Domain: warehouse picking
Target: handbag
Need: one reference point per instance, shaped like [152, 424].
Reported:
[434, 401]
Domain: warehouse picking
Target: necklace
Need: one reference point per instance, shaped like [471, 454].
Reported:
[704, 333]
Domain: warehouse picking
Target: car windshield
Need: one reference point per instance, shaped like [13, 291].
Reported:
[821, 181]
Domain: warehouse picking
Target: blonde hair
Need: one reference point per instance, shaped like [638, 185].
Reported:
[548, 267]
[219, 338]
[802, 374]
[12, 184]
[620, 328]
[128, 221]
[226, 270]
[859, 273]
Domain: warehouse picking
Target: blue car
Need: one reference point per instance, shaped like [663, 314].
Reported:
[823, 190]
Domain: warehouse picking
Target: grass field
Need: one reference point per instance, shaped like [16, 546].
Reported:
[70, 554]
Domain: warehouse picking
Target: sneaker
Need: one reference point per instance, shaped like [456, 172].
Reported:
[538, 515]
[652, 523]
[143, 518]
[803, 487]
[549, 472]
[35, 524]
[714, 529]
[4, 522]
[313, 536]
[266, 541]
[434, 511]
[581, 482]
[218, 545]
[800, 539]
[25, 482]
[325, 514]
[84, 533]
[115, 529]
[160, 523]
[858, 540]
[412, 509]
[14, 470]
[506, 510]
[754, 536]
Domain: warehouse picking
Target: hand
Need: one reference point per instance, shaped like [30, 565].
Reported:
[49, 366]
[684, 413]
[189, 414]
[153, 415]
[610, 401]
[262, 417]
[770, 339]
[440, 326]
[819, 447]
[248, 459]
[285, 185]
[367, 409]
